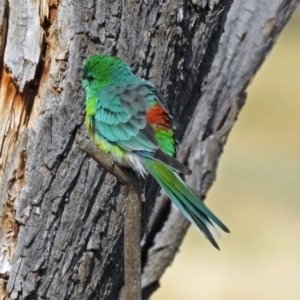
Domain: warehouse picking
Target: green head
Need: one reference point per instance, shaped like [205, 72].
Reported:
[101, 70]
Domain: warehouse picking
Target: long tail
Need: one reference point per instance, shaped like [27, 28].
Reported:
[185, 199]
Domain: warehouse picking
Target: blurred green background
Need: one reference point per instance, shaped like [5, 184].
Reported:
[256, 195]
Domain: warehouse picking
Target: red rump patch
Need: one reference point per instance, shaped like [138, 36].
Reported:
[156, 115]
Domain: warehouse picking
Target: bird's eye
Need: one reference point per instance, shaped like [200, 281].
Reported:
[90, 77]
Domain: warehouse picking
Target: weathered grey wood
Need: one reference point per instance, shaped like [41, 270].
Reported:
[250, 31]
[3, 27]
[22, 58]
[62, 214]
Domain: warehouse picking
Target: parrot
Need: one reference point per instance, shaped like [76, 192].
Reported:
[127, 118]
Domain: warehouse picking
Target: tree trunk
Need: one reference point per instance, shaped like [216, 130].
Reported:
[250, 32]
[62, 214]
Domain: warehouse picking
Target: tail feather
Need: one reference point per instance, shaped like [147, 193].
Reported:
[185, 199]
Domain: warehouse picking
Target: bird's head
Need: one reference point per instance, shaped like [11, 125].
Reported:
[101, 70]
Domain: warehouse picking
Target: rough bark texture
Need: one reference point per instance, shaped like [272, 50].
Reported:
[250, 31]
[62, 214]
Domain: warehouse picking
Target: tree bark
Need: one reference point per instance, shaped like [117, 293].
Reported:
[251, 30]
[62, 213]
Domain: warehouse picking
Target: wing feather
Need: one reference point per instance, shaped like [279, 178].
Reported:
[121, 118]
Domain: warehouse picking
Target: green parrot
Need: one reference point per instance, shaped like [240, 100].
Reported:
[127, 118]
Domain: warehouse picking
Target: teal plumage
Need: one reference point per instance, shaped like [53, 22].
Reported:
[127, 118]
